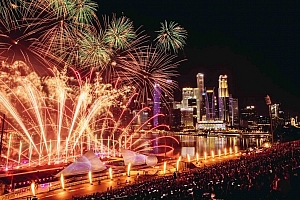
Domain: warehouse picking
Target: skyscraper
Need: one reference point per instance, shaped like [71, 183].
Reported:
[166, 108]
[210, 104]
[234, 112]
[223, 97]
[156, 102]
[249, 117]
[187, 118]
[187, 93]
[189, 105]
[199, 95]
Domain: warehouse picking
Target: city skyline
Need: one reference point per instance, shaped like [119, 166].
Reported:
[226, 38]
[220, 92]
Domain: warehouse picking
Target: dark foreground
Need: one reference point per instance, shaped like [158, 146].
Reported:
[271, 174]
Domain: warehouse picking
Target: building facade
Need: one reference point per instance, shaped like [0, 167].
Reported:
[199, 96]
[248, 117]
[190, 106]
[210, 104]
[223, 99]
[156, 104]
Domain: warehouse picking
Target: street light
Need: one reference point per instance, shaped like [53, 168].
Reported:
[269, 103]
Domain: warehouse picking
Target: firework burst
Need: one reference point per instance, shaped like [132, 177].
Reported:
[58, 108]
[171, 37]
[120, 33]
[52, 115]
[151, 68]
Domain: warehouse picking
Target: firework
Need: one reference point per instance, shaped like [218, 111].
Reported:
[120, 33]
[51, 109]
[171, 37]
[67, 33]
[151, 67]
[79, 12]
[53, 117]
[93, 52]
[43, 30]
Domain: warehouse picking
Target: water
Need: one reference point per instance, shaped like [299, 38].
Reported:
[183, 145]
[190, 145]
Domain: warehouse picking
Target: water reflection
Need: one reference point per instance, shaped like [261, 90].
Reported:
[191, 145]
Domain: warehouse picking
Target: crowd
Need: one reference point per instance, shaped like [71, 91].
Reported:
[267, 175]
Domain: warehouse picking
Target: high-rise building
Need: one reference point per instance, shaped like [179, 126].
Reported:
[263, 123]
[263, 120]
[230, 100]
[199, 96]
[235, 113]
[188, 93]
[187, 118]
[156, 102]
[223, 99]
[166, 109]
[249, 117]
[223, 86]
[210, 101]
[176, 120]
[189, 102]
[203, 107]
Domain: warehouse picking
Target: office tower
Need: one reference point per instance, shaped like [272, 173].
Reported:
[235, 113]
[176, 120]
[187, 93]
[248, 117]
[189, 102]
[223, 86]
[166, 109]
[263, 120]
[156, 102]
[203, 108]
[230, 100]
[199, 96]
[210, 104]
[263, 123]
[187, 118]
[223, 99]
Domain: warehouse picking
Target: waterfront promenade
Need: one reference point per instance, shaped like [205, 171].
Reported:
[267, 175]
[120, 180]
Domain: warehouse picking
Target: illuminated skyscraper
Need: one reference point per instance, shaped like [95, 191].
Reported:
[249, 117]
[199, 95]
[223, 86]
[234, 112]
[156, 102]
[187, 93]
[189, 105]
[223, 97]
[187, 118]
[210, 104]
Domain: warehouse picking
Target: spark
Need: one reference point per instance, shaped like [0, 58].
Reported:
[171, 37]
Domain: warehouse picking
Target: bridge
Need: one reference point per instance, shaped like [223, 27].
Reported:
[240, 133]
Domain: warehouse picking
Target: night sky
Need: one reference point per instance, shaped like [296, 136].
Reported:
[254, 42]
